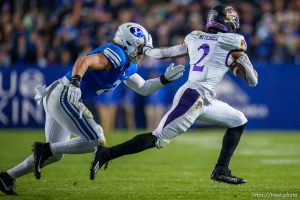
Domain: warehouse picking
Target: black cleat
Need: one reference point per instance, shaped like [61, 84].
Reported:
[223, 174]
[41, 152]
[7, 184]
[99, 160]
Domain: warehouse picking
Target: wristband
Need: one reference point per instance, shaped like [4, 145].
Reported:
[75, 80]
[163, 80]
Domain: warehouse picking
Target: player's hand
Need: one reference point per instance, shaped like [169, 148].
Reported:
[148, 44]
[174, 72]
[74, 94]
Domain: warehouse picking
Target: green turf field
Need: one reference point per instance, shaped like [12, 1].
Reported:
[269, 161]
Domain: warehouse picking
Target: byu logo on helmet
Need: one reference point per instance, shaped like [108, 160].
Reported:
[137, 32]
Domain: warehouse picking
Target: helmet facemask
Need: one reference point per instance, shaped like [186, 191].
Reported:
[136, 52]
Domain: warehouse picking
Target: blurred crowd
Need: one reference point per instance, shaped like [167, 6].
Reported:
[55, 32]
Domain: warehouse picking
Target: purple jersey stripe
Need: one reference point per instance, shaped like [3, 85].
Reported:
[186, 101]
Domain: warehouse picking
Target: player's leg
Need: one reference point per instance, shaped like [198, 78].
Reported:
[221, 113]
[88, 132]
[54, 133]
[185, 110]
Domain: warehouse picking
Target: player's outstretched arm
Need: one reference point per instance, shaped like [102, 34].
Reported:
[168, 52]
[146, 87]
[244, 68]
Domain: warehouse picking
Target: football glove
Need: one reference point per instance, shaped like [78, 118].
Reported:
[148, 44]
[83, 110]
[174, 72]
[74, 94]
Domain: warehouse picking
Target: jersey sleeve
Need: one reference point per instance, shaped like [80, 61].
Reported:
[233, 42]
[115, 55]
[132, 69]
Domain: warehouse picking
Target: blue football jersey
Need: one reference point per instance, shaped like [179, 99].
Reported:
[96, 82]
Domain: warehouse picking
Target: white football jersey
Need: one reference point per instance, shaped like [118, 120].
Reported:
[209, 59]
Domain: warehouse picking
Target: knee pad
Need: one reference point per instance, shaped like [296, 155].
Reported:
[240, 120]
[161, 143]
[101, 137]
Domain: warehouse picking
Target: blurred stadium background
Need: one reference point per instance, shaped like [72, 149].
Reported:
[39, 42]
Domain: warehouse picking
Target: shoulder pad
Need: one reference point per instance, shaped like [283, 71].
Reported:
[115, 55]
[232, 41]
[193, 35]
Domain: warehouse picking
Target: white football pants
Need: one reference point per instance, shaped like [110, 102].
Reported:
[62, 120]
[188, 106]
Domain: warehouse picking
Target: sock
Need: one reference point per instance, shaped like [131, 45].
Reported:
[230, 141]
[25, 167]
[136, 144]
[74, 146]
[21, 169]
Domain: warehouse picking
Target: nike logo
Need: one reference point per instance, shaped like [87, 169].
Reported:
[96, 167]
[6, 188]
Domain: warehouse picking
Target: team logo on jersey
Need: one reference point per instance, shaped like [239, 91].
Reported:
[137, 32]
[243, 45]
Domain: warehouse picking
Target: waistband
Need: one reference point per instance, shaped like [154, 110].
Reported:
[64, 81]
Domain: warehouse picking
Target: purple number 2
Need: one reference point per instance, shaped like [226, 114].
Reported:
[198, 67]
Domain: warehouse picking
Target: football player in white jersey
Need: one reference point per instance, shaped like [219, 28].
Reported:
[212, 53]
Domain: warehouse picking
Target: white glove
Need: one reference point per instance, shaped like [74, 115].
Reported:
[148, 43]
[174, 72]
[74, 94]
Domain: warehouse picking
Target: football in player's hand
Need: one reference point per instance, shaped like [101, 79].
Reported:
[236, 68]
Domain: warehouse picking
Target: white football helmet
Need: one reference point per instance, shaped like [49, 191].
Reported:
[133, 37]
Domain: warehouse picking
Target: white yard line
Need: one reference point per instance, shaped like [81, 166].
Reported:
[280, 161]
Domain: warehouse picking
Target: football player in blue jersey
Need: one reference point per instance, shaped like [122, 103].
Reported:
[102, 70]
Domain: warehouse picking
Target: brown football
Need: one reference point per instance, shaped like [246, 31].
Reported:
[241, 72]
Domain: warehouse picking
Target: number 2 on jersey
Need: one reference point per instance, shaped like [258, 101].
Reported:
[197, 66]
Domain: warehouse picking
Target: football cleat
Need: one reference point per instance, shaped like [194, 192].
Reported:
[223, 174]
[7, 184]
[40, 155]
[99, 160]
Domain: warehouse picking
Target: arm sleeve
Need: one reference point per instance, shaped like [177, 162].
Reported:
[142, 87]
[169, 52]
[251, 75]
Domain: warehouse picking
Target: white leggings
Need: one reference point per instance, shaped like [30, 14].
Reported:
[62, 120]
[188, 106]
